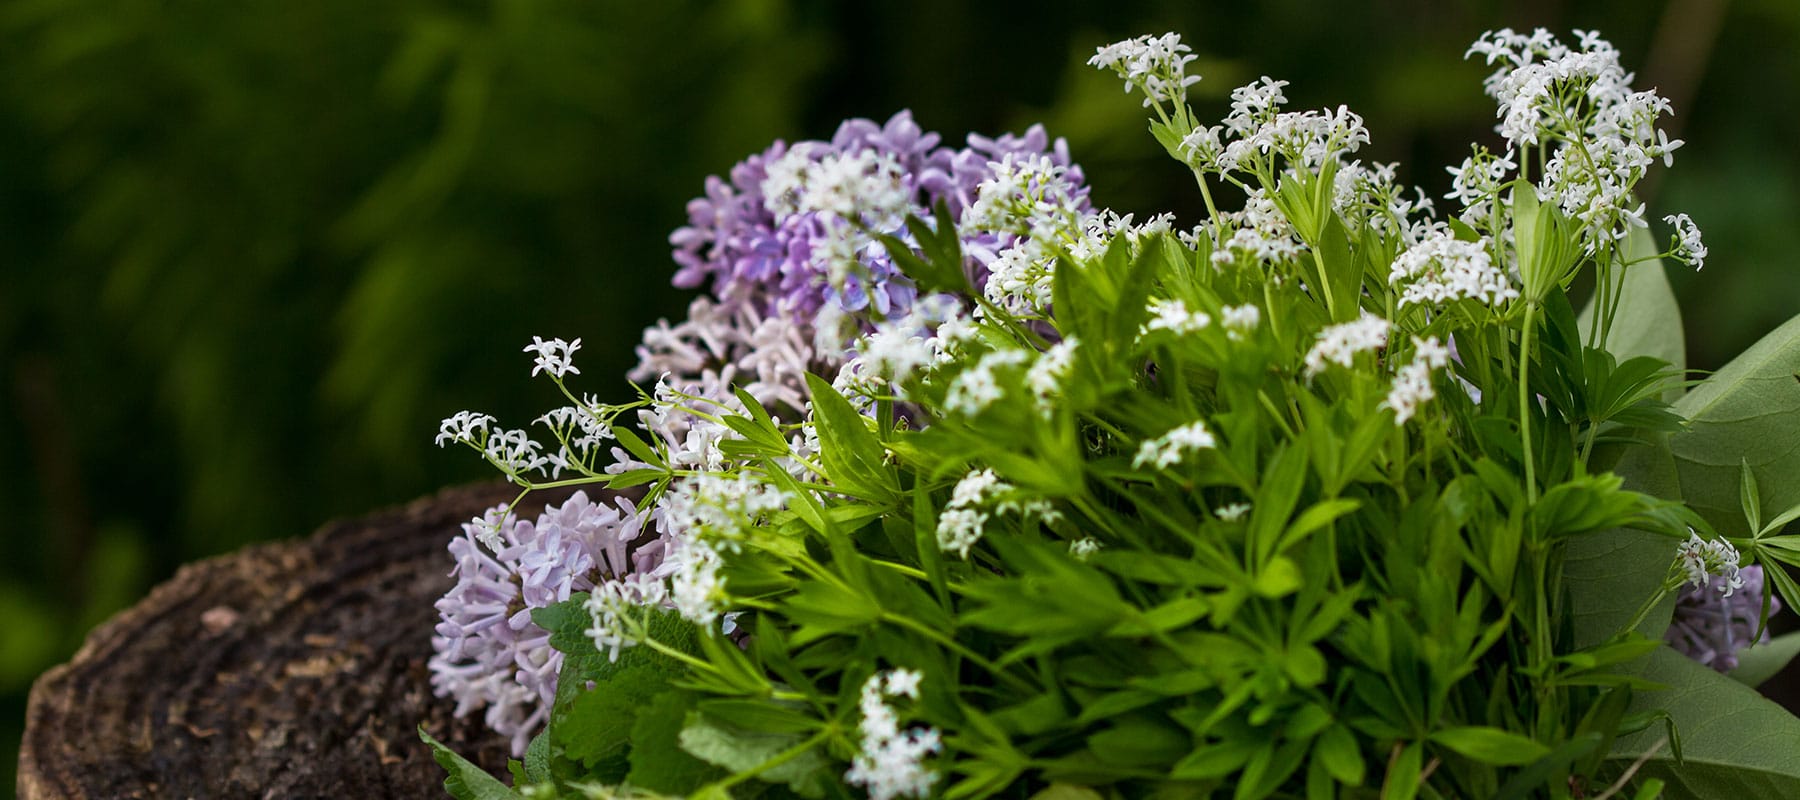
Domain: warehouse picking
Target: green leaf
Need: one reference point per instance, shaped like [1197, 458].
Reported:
[738, 750]
[852, 454]
[466, 781]
[1735, 743]
[1610, 574]
[595, 728]
[1648, 320]
[657, 760]
[1760, 662]
[1491, 745]
[567, 622]
[1065, 791]
[1743, 414]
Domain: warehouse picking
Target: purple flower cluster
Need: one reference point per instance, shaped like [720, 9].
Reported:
[488, 652]
[1711, 626]
[754, 248]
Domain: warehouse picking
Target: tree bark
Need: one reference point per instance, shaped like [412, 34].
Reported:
[292, 669]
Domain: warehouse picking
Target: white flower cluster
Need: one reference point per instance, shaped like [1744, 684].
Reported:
[891, 762]
[613, 602]
[1541, 80]
[579, 431]
[1689, 249]
[966, 516]
[965, 519]
[513, 452]
[1412, 383]
[1154, 65]
[1173, 446]
[1339, 344]
[1259, 231]
[719, 505]
[1442, 268]
[554, 357]
[1304, 138]
[695, 587]
[1576, 103]
[1173, 316]
[1699, 561]
[1240, 320]
[1037, 210]
[1371, 197]
[1046, 374]
[978, 387]
[1477, 182]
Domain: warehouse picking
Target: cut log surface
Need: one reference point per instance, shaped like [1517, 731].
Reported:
[286, 670]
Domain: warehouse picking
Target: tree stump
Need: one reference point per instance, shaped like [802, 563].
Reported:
[291, 669]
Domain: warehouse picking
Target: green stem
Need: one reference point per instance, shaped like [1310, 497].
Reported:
[1531, 487]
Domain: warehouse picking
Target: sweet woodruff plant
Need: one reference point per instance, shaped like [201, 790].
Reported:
[951, 484]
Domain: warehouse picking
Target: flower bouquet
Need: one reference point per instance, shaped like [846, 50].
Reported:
[953, 485]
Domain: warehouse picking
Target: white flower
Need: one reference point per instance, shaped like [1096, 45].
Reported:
[1254, 103]
[1232, 512]
[1084, 547]
[1412, 384]
[468, 427]
[695, 587]
[1700, 560]
[965, 517]
[1154, 65]
[610, 603]
[554, 356]
[904, 683]
[1046, 374]
[1240, 320]
[890, 761]
[1441, 269]
[1691, 250]
[1170, 448]
[1339, 344]
[976, 388]
[1173, 316]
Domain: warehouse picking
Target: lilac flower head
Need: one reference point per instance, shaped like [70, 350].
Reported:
[487, 651]
[1716, 619]
[790, 236]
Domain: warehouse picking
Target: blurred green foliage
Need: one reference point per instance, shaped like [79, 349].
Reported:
[251, 253]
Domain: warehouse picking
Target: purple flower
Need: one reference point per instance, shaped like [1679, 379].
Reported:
[772, 242]
[488, 652]
[1711, 627]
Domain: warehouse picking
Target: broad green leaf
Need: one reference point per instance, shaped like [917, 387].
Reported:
[1761, 662]
[1744, 413]
[739, 750]
[1735, 742]
[466, 781]
[1648, 320]
[1066, 791]
[1611, 573]
[657, 760]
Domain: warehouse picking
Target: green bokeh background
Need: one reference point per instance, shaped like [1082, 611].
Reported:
[250, 253]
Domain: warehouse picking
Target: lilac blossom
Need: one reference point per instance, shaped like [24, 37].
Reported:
[1716, 619]
[786, 251]
[487, 651]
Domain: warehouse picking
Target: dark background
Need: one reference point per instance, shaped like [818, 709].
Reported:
[251, 253]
